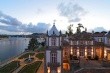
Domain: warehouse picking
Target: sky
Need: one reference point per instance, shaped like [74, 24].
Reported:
[30, 16]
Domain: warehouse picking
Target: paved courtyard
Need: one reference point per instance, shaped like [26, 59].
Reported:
[91, 66]
[90, 63]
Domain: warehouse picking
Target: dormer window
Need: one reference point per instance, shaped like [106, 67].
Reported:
[53, 41]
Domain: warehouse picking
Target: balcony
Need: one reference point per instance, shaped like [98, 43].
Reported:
[53, 64]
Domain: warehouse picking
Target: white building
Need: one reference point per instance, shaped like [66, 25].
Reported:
[53, 53]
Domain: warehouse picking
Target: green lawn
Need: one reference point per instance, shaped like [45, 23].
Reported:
[40, 55]
[41, 49]
[26, 55]
[9, 68]
[31, 68]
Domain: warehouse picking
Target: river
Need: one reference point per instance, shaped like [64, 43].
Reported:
[10, 47]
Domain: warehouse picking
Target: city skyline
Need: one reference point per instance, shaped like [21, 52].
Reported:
[38, 15]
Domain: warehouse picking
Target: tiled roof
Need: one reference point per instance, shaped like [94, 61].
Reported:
[65, 43]
[82, 36]
[99, 34]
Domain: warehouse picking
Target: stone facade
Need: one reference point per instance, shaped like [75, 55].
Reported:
[62, 49]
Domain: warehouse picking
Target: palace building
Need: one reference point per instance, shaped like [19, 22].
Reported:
[62, 48]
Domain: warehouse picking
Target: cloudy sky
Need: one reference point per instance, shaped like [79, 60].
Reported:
[20, 16]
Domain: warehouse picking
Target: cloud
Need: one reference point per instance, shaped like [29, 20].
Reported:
[39, 10]
[99, 29]
[14, 25]
[6, 19]
[40, 27]
[71, 10]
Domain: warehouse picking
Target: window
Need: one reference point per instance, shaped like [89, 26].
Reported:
[108, 41]
[53, 58]
[89, 51]
[89, 43]
[53, 40]
[100, 40]
[74, 51]
[65, 53]
[82, 52]
[81, 42]
[74, 42]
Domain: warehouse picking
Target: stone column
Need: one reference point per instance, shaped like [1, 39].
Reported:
[71, 51]
[77, 51]
[102, 52]
[92, 53]
[85, 52]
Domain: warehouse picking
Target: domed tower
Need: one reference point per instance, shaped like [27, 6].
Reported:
[53, 52]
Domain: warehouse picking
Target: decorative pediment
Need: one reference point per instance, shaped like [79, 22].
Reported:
[53, 31]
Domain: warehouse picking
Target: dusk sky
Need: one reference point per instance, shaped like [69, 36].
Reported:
[37, 15]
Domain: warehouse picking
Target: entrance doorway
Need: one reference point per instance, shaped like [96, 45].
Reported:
[99, 52]
[66, 66]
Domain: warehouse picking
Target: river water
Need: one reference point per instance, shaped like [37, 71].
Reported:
[10, 47]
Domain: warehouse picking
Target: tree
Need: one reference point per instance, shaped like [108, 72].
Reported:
[79, 28]
[33, 44]
[70, 30]
[43, 44]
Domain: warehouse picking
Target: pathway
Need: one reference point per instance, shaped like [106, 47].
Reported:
[41, 68]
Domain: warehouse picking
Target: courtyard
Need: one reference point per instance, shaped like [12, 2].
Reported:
[90, 63]
[90, 66]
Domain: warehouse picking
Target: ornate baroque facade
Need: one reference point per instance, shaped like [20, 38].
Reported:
[61, 48]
